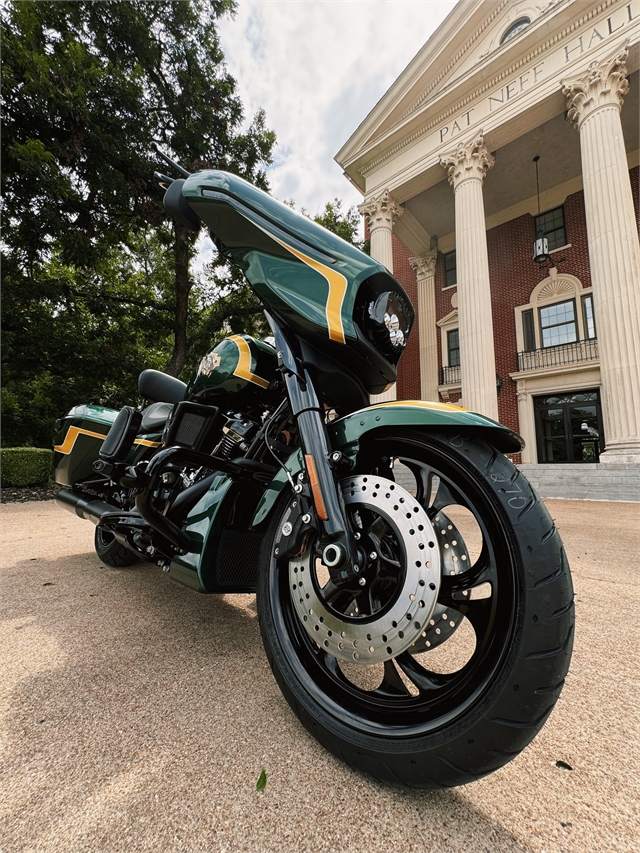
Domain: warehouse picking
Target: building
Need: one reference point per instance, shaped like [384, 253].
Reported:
[445, 162]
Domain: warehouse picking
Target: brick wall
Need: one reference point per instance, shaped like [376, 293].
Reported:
[513, 276]
[409, 368]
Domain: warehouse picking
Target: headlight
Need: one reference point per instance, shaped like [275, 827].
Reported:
[388, 323]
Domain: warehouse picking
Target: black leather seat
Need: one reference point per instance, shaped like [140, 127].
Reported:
[155, 385]
[154, 417]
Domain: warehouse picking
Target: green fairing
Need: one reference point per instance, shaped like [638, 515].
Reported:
[294, 465]
[249, 223]
[202, 528]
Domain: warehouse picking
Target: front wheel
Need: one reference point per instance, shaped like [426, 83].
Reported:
[447, 656]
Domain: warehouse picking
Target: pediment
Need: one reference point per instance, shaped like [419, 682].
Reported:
[459, 49]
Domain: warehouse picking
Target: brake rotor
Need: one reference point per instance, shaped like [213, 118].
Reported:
[398, 625]
[454, 559]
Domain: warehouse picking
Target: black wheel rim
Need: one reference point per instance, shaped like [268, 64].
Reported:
[413, 698]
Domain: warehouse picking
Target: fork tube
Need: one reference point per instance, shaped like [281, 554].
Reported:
[309, 414]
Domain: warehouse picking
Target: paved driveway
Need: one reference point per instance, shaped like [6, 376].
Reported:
[136, 715]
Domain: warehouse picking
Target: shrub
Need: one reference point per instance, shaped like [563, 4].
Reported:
[25, 466]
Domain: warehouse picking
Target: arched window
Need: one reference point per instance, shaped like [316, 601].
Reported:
[515, 28]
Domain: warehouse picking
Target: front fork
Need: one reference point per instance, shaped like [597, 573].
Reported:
[339, 551]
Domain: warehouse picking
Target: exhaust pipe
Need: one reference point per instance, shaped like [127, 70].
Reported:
[92, 510]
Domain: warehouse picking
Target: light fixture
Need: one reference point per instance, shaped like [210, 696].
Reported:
[541, 244]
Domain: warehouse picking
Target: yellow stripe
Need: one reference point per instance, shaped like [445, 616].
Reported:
[416, 404]
[337, 289]
[70, 439]
[243, 370]
[146, 442]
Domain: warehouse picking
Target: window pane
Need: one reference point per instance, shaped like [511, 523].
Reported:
[450, 276]
[557, 335]
[561, 313]
[453, 347]
[589, 321]
[552, 224]
[529, 335]
[554, 442]
[558, 324]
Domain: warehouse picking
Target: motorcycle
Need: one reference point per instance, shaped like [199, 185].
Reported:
[414, 598]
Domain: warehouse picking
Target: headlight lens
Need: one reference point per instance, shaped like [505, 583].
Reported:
[389, 323]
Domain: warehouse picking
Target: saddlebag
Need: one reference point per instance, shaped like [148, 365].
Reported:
[80, 438]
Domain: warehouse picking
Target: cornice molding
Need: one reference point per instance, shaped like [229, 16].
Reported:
[485, 87]
[455, 59]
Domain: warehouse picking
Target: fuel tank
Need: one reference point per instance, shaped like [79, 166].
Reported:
[238, 363]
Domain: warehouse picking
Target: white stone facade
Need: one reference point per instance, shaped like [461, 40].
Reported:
[447, 155]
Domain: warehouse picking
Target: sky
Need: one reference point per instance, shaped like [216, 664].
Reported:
[317, 68]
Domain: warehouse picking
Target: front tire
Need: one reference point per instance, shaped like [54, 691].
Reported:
[465, 698]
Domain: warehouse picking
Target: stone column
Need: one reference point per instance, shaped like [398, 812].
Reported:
[381, 214]
[425, 269]
[466, 168]
[594, 102]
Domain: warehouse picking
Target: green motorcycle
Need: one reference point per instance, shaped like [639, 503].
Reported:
[414, 598]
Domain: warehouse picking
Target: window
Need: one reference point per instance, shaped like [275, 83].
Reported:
[552, 224]
[558, 324]
[453, 348]
[450, 276]
[528, 330]
[587, 314]
[515, 28]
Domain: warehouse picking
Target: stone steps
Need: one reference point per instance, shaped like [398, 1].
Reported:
[592, 482]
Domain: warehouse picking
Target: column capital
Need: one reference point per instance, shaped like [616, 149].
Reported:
[604, 84]
[469, 160]
[381, 211]
[424, 264]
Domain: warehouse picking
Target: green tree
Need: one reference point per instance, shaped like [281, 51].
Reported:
[343, 223]
[86, 88]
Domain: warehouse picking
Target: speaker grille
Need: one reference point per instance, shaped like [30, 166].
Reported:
[189, 428]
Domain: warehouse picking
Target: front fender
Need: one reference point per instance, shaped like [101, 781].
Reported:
[346, 432]
[345, 435]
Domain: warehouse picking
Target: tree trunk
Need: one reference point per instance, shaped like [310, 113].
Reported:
[181, 252]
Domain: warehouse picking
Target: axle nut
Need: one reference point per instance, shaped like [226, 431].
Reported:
[332, 555]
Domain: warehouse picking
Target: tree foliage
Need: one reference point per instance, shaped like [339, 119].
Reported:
[94, 276]
[345, 224]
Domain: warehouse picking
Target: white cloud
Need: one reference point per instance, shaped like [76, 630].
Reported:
[318, 67]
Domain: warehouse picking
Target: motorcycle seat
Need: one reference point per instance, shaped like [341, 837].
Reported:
[154, 417]
[160, 387]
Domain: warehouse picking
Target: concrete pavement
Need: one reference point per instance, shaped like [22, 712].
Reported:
[136, 715]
